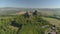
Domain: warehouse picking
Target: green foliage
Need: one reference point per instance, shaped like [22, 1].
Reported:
[32, 25]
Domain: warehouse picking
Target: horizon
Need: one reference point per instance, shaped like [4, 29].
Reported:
[29, 8]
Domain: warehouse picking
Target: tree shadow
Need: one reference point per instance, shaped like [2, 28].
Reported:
[19, 26]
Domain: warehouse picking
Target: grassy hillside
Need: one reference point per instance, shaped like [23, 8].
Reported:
[52, 21]
[18, 24]
[30, 25]
[38, 24]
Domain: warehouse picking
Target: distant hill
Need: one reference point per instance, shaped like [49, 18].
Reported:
[14, 10]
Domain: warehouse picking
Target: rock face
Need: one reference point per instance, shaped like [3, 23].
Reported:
[52, 30]
[35, 13]
[26, 15]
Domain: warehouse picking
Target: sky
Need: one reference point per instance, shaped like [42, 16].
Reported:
[30, 3]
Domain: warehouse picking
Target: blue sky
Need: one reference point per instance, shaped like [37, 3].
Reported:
[30, 3]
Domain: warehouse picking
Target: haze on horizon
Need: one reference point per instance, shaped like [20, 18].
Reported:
[30, 3]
